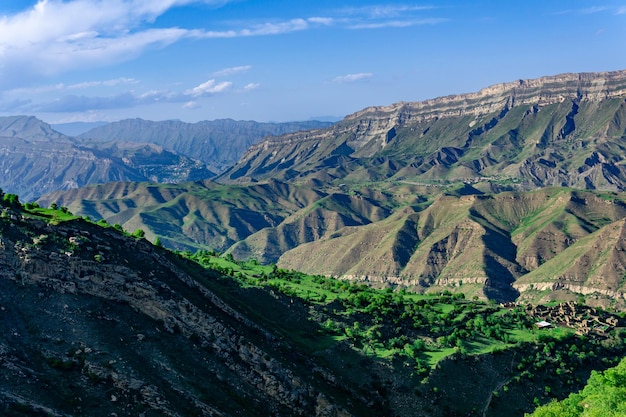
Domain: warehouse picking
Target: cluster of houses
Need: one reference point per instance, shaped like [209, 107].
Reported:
[584, 319]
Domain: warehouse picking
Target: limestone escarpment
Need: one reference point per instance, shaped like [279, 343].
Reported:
[523, 130]
[541, 91]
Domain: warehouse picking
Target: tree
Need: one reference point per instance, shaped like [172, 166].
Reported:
[139, 234]
[11, 199]
[157, 242]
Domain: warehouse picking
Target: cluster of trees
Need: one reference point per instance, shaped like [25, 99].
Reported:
[398, 325]
[11, 200]
[603, 396]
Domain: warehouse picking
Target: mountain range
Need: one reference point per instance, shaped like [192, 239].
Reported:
[217, 143]
[564, 130]
[36, 159]
[476, 237]
[492, 193]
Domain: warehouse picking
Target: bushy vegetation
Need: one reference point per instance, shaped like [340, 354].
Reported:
[603, 396]
[421, 330]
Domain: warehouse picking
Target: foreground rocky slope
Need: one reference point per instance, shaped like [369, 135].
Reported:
[564, 130]
[97, 322]
[94, 322]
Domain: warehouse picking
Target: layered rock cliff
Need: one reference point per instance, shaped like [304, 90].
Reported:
[523, 130]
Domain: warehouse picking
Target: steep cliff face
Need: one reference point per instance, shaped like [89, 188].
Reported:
[542, 132]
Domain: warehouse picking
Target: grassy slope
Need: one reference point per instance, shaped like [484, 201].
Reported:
[398, 234]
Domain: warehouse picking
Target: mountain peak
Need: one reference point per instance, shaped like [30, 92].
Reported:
[29, 127]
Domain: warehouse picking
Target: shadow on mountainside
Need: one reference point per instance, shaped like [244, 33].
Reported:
[501, 268]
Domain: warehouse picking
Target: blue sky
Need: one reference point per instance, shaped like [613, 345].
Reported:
[92, 60]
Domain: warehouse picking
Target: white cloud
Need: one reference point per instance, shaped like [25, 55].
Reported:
[265, 29]
[59, 87]
[353, 77]
[54, 36]
[209, 87]
[387, 16]
[106, 83]
[251, 86]
[231, 71]
[69, 103]
[398, 23]
[384, 11]
[326, 21]
[588, 10]
[190, 105]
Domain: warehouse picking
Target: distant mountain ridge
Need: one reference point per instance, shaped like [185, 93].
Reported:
[563, 130]
[29, 127]
[218, 143]
[76, 128]
[36, 159]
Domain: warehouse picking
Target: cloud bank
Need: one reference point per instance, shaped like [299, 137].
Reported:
[55, 36]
